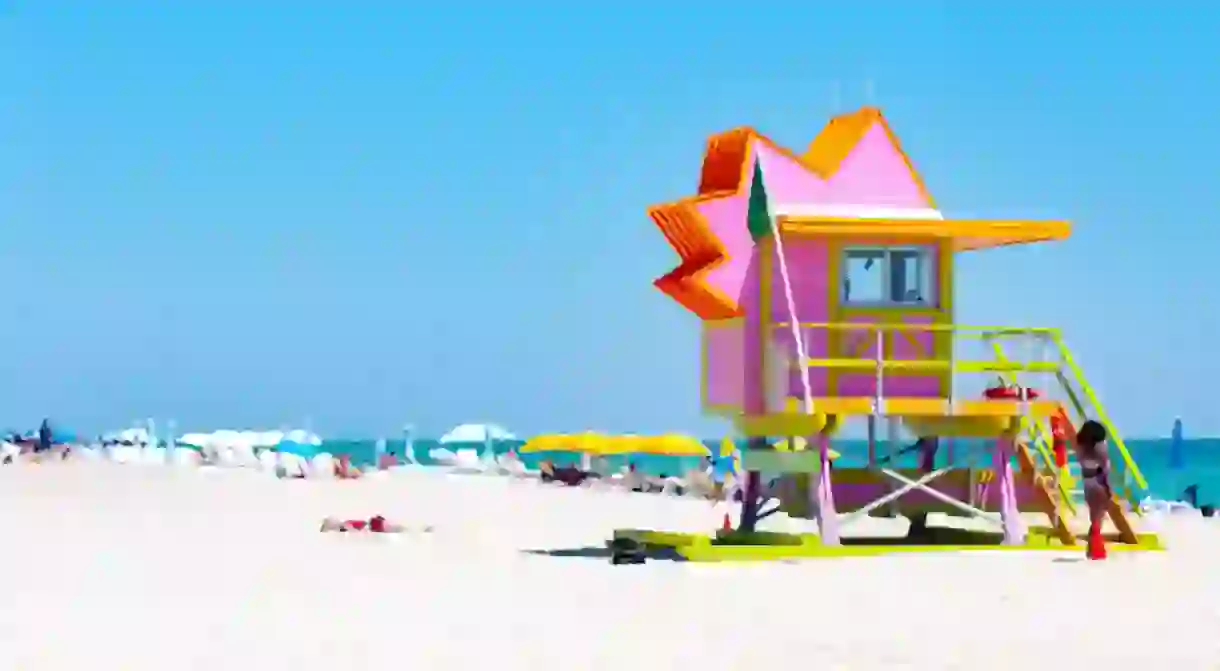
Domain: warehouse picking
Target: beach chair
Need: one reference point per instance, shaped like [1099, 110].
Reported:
[9, 452]
[624, 480]
[699, 483]
[322, 465]
[512, 466]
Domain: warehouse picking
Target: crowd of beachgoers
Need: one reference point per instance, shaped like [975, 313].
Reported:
[467, 449]
[297, 454]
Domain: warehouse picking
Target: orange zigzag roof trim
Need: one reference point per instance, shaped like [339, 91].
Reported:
[725, 174]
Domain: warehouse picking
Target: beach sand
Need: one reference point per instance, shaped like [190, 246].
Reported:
[130, 567]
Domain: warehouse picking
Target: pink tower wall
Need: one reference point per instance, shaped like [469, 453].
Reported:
[874, 173]
[806, 261]
[865, 384]
[754, 399]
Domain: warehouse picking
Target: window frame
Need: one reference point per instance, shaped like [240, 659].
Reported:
[926, 255]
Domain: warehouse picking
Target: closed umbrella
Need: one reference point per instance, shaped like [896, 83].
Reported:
[1177, 447]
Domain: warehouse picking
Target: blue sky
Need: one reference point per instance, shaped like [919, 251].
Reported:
[248, 213]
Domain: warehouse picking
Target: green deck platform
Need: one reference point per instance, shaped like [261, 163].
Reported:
[770, 546]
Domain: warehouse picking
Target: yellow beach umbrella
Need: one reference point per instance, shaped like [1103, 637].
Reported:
[551, 442]
[625, 444]
[565, 442]
[676, 445]
[672, 445]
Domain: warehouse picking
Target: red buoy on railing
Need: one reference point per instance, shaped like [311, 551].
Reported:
[1013, 392]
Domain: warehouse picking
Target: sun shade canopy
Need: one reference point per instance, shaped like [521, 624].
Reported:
[965, 234]
[673, 445]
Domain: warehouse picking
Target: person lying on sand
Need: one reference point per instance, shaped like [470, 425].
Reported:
[375, 525]
[344, 469]
[568, 475]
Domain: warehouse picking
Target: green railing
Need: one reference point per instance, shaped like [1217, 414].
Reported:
[1132, 474]
[1067, 372]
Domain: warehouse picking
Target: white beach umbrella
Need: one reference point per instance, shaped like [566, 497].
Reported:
[476, 433]
[302, 437]
[195, 440]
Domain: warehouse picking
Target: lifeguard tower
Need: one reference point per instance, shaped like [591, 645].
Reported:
[825, 282]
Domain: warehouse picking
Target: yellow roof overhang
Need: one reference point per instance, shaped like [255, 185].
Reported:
[965, 234]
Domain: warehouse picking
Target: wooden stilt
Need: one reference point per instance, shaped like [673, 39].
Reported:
[828, 518]
[1010, 516]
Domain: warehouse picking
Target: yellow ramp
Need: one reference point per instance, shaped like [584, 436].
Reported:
[1045, 493]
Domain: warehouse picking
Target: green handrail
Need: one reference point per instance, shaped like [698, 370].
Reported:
[1100, 415]
[1075, 400]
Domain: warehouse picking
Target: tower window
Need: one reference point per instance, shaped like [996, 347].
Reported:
[885, 276]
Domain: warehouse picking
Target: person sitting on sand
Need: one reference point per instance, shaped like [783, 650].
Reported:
[374, 525]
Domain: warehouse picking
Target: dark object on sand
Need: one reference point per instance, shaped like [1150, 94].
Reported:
[626, 551]
[1191, 495]
[568, 475]
[45, 436]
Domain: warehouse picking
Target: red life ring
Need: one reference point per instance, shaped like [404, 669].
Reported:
[1059, 439]
[1013, 393]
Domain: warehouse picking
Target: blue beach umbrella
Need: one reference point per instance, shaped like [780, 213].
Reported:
[302, 450]
[48, 434]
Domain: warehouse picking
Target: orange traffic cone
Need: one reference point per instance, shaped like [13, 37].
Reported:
[727, 523]
[1097, 545]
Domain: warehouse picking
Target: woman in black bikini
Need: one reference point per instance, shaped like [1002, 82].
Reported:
[1095, 472]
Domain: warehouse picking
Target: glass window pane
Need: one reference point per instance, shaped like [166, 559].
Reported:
[864, 276]
[910, 277]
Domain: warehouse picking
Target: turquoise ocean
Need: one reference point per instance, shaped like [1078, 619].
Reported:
[1202, 460]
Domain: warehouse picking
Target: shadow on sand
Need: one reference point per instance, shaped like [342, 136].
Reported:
[1068, 560]
[590, 552]
[602, 553]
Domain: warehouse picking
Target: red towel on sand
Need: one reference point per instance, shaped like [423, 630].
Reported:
[375, 524]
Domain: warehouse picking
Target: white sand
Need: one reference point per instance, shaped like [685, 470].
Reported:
[128, 567]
